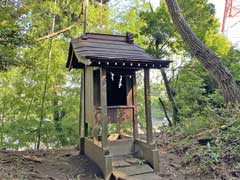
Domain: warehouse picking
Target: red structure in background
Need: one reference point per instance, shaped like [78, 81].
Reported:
[231, 12]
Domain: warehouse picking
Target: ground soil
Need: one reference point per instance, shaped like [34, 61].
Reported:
[67, 164]
[181, 158]
[50, 165]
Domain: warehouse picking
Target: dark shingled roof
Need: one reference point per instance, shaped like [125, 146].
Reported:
[100, 48]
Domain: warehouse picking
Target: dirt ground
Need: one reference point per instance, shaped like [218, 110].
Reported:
[46, 165]
[67, 164]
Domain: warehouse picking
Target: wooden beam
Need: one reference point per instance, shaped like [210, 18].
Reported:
[85, 120]
[135, 120]
[150, 153]
[129, 91]
[104, 117]
[97, 154]
[81, 115]
[81, 59]
[89, 106]
[148, 105]
[71, 59]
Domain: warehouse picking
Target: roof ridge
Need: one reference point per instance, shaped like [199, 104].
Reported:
[105, 37]
[114, 35]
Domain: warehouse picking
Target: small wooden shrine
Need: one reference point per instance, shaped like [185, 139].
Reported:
[109, 63]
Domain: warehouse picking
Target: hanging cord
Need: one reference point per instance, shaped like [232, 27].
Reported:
[120, 82]
[120, 77]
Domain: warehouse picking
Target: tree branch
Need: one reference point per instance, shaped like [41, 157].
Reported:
[164, 44]
[57, 32]
[165, 111]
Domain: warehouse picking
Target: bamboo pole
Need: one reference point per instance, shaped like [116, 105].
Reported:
[39, 132]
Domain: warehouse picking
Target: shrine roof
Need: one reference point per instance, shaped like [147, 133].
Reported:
[110, 50]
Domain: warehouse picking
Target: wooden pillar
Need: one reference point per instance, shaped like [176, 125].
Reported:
[89, 106]
[135, 120]
[104, 117]
[148, 106]
[81, 115]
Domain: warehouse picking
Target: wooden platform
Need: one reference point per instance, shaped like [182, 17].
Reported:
[132, 169]
[124, 159]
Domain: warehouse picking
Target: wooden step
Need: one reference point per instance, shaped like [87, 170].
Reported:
[119, 174]
[149, 176]
[120, 163]
[132, 170]
[133, 160]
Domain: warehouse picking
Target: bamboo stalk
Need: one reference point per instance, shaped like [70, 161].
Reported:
[39, 132]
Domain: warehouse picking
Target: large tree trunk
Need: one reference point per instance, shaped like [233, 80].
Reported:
[205, 55]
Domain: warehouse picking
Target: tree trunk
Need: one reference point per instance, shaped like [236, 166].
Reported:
[58, 115]
[165, 80]
[171, 97]
[165, 111]
[205, 55]
[29, 108]
[2, 125]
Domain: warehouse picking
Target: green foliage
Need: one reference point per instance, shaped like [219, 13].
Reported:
[192, 87]
[209, 142]
[22, 87]
[127, 19]
[232, 60]
[12, 34]
[189, 92]
[225, 144]
[159, 30]
[200, 15]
